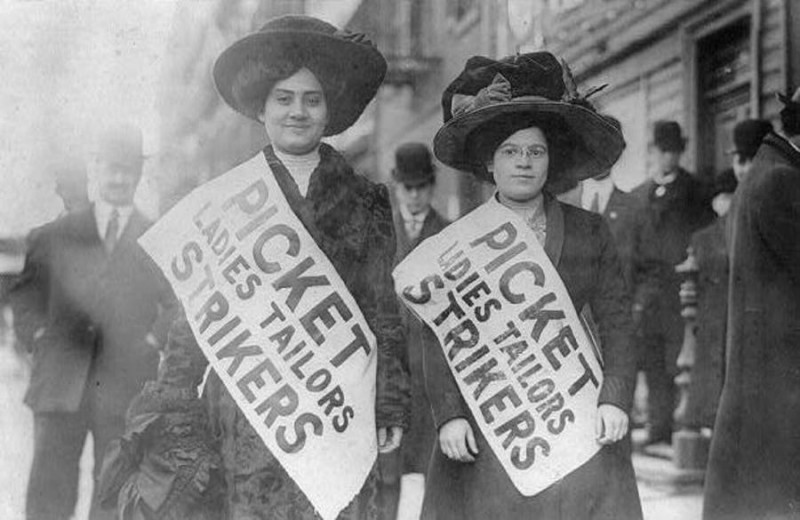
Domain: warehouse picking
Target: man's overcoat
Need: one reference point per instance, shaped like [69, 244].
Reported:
[754, 466]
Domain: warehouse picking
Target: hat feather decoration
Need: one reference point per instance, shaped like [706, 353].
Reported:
[571, 94]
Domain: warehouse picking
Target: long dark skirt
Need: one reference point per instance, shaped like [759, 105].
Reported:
[603, 488]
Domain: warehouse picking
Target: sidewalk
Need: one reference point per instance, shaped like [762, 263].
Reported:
[667, 493]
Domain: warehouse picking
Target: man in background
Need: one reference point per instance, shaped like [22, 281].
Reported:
[414, 179]
[619, 209]
[673, 205]
[99, 297]
[753, 469]
[71, 184]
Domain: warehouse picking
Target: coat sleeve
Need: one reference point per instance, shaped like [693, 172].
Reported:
[29, 292]
[440, 385]
[778, 217]
[393, 399]
[610, 306]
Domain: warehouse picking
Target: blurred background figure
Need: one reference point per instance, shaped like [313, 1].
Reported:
[601, 195]
[674, 204]
[753, 470]
[709, 246]
[747, 138]
[403, 472]
[92, 299]
[72, 184]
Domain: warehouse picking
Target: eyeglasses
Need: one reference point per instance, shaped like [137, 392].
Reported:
[513, 151]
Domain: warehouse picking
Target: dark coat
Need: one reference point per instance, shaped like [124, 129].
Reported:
[96, 310]
[753, 467]
[621, 213]
[581, 248]
[421, 436]
[350, 219]
[664, 227]
[711, 252]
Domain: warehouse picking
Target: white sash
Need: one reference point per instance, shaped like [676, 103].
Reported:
[513, 341]
[278, 326]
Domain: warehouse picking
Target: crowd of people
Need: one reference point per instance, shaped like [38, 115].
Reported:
[119, 352]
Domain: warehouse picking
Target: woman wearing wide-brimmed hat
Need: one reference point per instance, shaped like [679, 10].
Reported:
[304, 80]
[520, 124]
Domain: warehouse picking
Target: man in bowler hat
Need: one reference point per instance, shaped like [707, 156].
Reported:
[100, 300]
[414, 179]
[673, 205]
[753, 469]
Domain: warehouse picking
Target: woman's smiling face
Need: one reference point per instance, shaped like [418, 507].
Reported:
[295, 113]
[519, 165]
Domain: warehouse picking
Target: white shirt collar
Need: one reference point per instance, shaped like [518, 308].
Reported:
[603, 188]
[300, 167]
[102, 214]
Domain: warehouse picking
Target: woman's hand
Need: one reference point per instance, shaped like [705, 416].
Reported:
[389, 439]
[611, 424]
[457, 440]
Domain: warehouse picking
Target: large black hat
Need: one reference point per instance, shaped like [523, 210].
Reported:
[667, 136]
[527, 88]
[413, 165]
[347, 60]
[747, 136]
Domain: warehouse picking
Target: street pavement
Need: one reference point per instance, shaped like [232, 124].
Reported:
[665, 493]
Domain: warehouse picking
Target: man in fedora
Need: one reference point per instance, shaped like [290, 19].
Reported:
[99, 298]
[673, 205]
[414, 179]
[753, 470]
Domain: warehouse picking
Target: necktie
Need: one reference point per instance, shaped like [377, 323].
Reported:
[112, 230]
[595, 207]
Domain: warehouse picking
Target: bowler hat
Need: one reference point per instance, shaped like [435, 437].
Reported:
[347, 60]
[120, 143]
[747, 136]
[667, 136]
[526, 89]
[413, 165]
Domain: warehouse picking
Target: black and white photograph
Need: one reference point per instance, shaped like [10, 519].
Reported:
[400, 260]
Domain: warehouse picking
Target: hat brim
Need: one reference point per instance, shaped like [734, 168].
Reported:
[600, 143]
[360, 67]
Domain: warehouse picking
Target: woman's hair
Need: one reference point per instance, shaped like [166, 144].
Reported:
[484, 141]
[255, 79]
